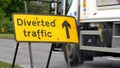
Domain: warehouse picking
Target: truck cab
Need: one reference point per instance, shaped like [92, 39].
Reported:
[98, 23]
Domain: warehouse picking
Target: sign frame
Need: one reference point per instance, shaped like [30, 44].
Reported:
[42, 40]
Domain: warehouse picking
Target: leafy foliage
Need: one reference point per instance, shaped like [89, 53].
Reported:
[38, 7]
[7, 7]
[7, 25]
[3, 6]
[15, 6]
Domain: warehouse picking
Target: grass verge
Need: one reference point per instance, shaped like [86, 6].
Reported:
[7, 65]
[6, 36]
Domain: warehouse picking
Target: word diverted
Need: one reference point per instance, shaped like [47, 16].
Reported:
[24, 22]
[36, 23]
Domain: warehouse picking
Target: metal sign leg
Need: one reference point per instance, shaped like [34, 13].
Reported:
[30, 53]
[49, 56]
[66, 55]
[15, 54]
[68, 61]
[29, 44]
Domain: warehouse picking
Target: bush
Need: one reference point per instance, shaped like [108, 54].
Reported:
[6, 26]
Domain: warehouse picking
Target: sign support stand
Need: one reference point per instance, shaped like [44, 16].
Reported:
[29, 44]
[49, 56]
[68, 61]
[13, 64]
[30, 53]
[16, 51]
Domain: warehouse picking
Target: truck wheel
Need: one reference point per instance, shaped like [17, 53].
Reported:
[73, 54]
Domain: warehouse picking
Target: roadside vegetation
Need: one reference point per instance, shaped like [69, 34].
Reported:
[8, 7]
[7, 65]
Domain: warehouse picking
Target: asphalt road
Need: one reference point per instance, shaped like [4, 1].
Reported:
[40, 55]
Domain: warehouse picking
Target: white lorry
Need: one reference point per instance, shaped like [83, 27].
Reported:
[98, 23]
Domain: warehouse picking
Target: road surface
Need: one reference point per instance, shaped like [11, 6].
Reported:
[40, 55]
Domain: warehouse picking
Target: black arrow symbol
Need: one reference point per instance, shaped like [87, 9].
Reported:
[66, 25]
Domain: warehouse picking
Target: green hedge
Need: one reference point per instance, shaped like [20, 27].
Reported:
[7, 25]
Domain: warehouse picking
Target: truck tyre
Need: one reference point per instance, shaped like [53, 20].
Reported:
[73, 54]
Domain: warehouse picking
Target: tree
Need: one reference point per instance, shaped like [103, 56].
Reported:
[15, 6]
[7, 7]
[3, 6]
[37, 7]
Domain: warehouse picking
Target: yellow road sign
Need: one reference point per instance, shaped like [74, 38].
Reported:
[40, 28]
